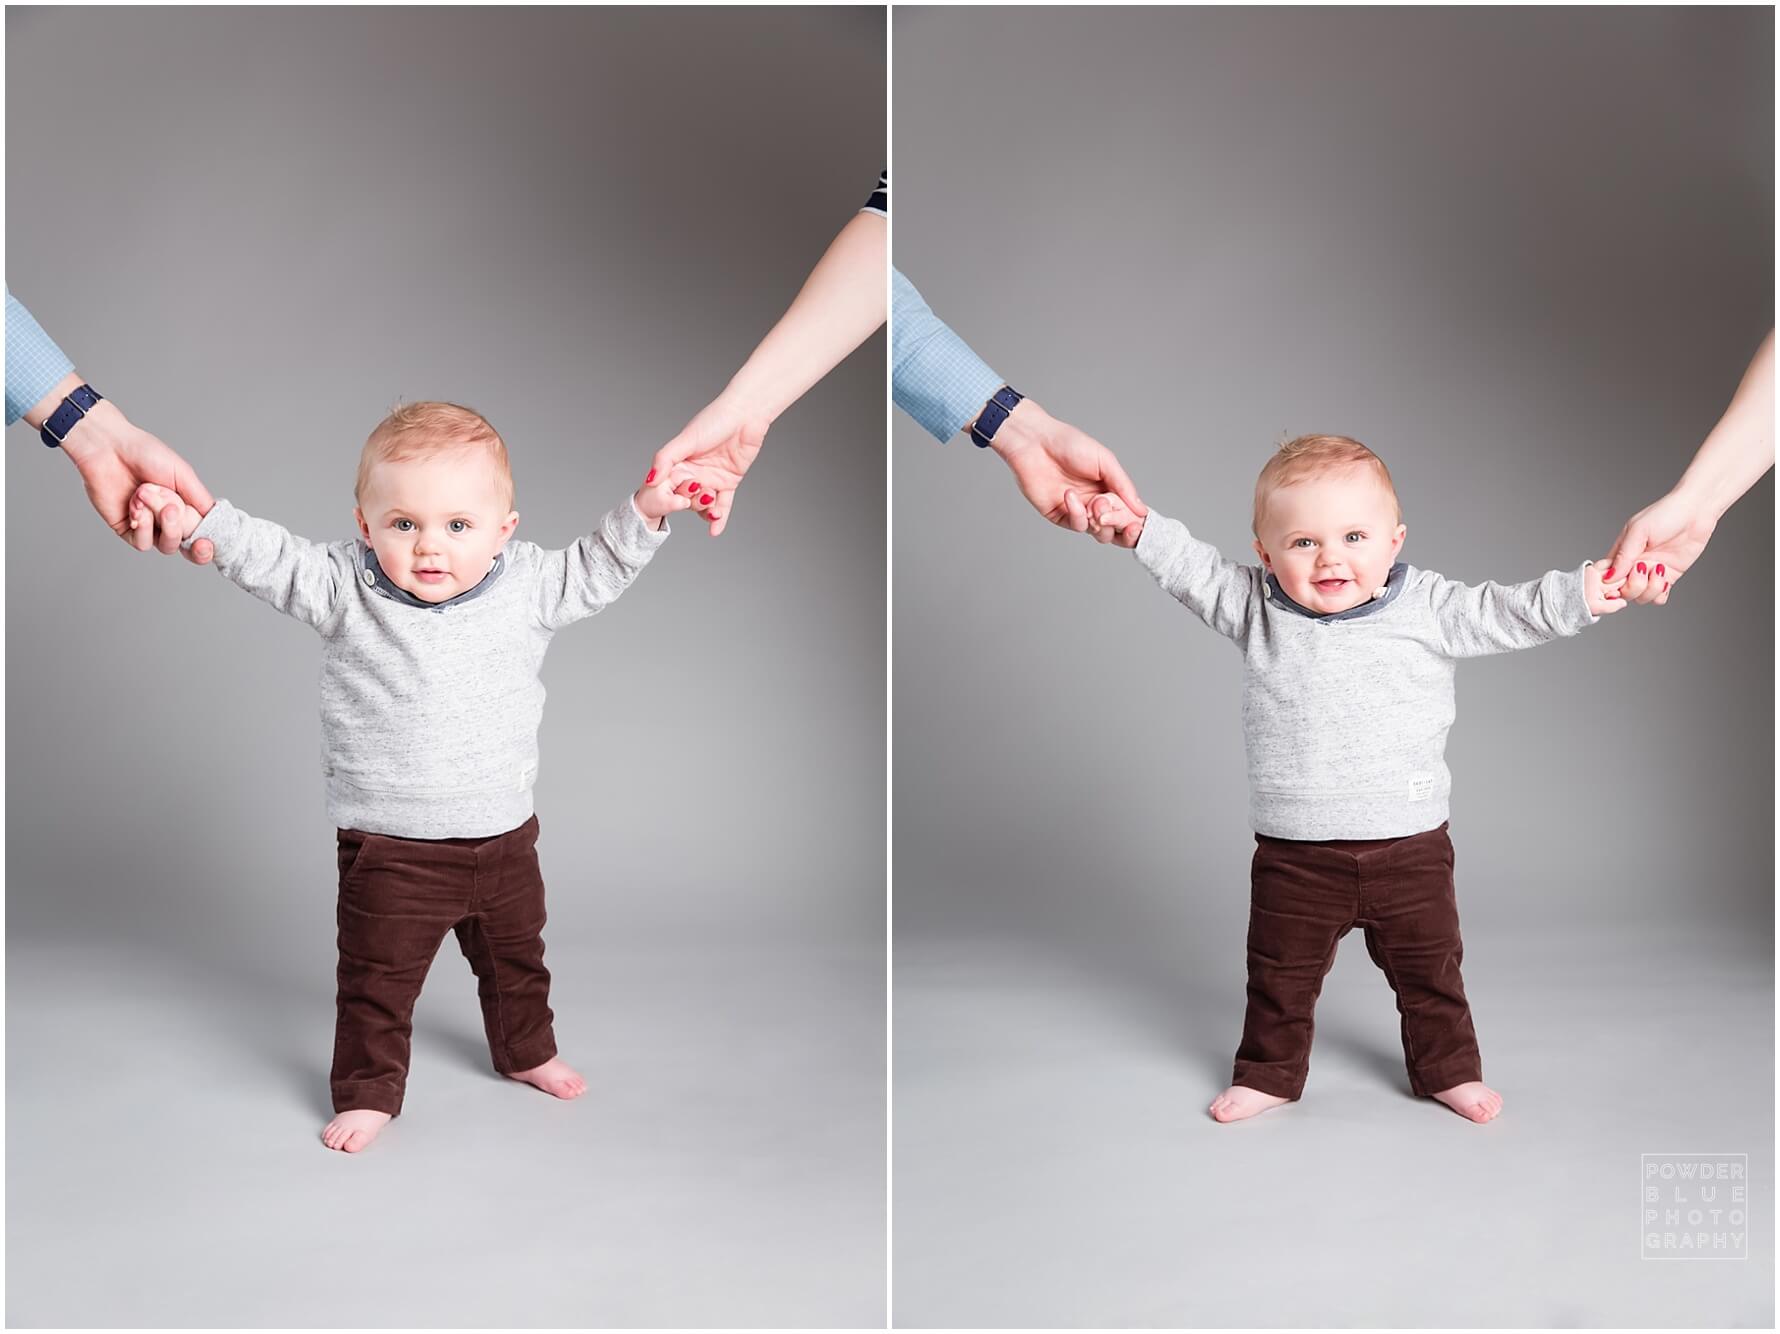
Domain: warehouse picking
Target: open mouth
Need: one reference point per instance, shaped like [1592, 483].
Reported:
[432, 576]
[1331, 585]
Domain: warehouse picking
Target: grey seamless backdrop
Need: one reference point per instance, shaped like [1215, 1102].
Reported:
[1524, 254]
[267, 226]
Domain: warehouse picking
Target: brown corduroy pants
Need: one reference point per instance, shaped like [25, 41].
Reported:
[1305, 897]
[398, 898]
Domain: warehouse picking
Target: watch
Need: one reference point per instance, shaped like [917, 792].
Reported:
[1003, 401]
[72, 409]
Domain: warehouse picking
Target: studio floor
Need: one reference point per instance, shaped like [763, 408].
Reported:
[726, 1166]
[1054, 1165]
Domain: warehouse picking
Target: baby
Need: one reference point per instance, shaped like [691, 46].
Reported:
[1347, 698]
[433, 628]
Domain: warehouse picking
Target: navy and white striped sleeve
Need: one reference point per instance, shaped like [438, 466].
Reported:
[879, 202]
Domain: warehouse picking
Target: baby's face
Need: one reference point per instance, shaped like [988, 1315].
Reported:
[1331, 540]
[436, 523]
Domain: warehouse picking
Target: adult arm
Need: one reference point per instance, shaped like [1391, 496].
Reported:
[839, 306]
[939, 381]
[1672, 533]
[112, 455]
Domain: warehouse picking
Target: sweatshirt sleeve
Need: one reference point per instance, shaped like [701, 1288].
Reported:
[1218, 591]
[302, 579]
[578, 581]
[1475, 620]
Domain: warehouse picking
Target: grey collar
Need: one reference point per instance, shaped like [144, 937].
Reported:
[379, 582]
[1393, 585]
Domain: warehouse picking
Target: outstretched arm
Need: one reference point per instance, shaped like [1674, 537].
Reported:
[1201, 578]
[1479, 619]
[1661, 542]
[939, 381]
[588, 577]
[839, 306]
[112, 455]
[300, 578]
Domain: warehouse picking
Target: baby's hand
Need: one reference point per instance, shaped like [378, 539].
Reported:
[152, 499]
[655, 501]
[1603, 597]
[1109, 519]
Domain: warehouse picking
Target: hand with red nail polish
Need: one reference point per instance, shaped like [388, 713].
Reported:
[1735, 455]
[839, 306]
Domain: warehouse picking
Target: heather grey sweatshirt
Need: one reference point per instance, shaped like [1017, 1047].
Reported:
[1345, 716]
[430, 712]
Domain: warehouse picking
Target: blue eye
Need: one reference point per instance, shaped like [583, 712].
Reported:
[460, 525]
[1352, 536]
[402, 525]
[1303, 541]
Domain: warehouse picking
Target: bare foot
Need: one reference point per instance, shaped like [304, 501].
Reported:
[351, 1131]
[1474, 1101]
[1237, 1103]
[554, 1077]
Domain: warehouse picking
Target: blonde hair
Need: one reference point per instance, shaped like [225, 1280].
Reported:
[427, 429]
[1314, 456]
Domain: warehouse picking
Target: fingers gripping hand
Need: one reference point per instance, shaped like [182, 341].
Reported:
[1604, 597]
[701, 495]
[1111, 520]
[1647, 580]
[716, 449]
[658, 498]
[159, 518]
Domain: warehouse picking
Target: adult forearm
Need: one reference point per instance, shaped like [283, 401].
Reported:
[99, 430]
[839, 306]
[1740, 447]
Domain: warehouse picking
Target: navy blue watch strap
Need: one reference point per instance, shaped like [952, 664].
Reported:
[72, 409]
[1003, 401]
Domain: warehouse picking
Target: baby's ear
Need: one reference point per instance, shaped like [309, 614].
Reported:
[364, 529]
[508, 527]
[1261, 551]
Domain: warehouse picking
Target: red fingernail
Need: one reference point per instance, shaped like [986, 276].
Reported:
[1609, 573]
[705, 500]
[1659, 570]
[691, 487]
[1641, 569]
[650, 477]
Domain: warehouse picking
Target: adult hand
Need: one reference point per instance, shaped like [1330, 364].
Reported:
[114, 457]
[716, 448]
[1054, 462]
[838, 307]
[1659, 544]
[1109, 519]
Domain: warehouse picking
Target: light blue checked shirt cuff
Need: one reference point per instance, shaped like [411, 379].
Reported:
[935, 377]
[33, 361]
